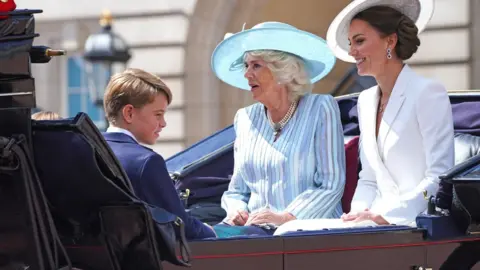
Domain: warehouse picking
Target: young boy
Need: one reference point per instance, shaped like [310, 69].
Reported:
[135, 104]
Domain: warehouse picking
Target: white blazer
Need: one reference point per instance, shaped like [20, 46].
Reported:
[415, 145]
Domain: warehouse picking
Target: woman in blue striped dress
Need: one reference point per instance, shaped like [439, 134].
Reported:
[289, 149]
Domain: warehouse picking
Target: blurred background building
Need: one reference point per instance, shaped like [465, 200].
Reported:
[175, 38]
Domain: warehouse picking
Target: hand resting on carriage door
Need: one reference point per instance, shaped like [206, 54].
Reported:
[243, 218]
[238, 218]
[364, 215]
[265, 216]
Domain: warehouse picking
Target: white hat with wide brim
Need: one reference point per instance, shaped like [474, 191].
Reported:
[227, 58]
[420, 11]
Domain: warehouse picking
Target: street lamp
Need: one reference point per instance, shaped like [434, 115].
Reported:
[102, 51]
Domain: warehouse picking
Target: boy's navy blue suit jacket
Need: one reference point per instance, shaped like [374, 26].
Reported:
[151, 181]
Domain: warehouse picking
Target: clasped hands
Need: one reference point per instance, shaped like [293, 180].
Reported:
[243, 218]
[362, 216]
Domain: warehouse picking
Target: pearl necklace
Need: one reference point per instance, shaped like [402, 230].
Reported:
[277, 127]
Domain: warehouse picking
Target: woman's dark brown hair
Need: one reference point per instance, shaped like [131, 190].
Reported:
[387, 21]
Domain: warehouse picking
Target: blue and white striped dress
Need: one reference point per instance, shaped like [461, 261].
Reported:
[303, 172]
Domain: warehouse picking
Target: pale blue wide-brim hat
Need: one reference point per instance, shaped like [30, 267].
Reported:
[227, 58]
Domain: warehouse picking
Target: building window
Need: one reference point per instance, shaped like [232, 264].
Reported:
[81, 97]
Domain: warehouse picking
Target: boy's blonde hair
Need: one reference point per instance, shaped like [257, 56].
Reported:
[135, 87]
[45, 115]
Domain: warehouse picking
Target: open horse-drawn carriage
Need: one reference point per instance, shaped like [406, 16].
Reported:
[65, 201]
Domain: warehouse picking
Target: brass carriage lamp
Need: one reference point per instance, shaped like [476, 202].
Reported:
[102, 51]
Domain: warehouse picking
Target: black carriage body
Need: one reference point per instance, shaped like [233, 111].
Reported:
[24, 241]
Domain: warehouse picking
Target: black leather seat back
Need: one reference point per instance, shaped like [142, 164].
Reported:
[80, 177]
[466, 146]
[90, 194]
[76, 171]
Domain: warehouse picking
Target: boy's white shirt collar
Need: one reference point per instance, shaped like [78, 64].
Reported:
[121, 130]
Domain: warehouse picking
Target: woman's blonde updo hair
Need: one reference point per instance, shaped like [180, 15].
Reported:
[287, 69]
[387, 21]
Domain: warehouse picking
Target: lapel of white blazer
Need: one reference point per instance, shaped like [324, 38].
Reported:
[385, 182]
[369, 108]
[395, 102]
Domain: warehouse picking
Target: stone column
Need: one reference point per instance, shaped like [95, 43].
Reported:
[203, 100]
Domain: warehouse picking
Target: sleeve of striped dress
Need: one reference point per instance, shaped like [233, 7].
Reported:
[321, 200]
[238, 193]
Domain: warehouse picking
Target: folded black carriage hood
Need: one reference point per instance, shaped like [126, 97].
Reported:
[212, 147]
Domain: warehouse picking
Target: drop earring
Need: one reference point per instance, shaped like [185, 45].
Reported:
[389, 53]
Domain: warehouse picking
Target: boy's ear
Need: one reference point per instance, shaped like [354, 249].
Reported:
[127, 113]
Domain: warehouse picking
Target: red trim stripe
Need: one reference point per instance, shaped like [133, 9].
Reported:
[326, 250]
